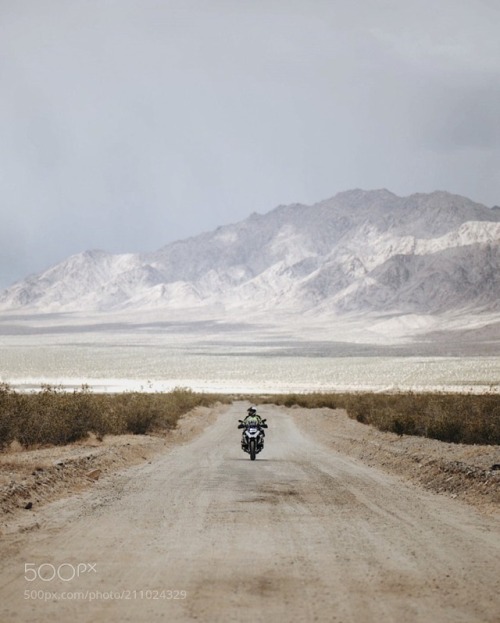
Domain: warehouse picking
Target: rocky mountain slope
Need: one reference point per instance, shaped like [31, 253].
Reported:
[360, 251]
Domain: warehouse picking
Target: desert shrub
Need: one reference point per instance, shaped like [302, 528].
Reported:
[312, 400]
[50, 417]
[145, 412]
[53, 416]
[140, 413]
[8, 409]
[455, 418]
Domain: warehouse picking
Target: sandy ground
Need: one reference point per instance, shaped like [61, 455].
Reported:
[198, 532]
[35, 477]
[456, 470]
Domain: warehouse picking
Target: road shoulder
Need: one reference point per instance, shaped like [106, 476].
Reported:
[458, 471]
[29, 479]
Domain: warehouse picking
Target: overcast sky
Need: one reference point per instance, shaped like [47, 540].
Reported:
[126, 124]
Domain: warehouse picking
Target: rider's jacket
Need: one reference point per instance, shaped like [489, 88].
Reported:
[253, 419]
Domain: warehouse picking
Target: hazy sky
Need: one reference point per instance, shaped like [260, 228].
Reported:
[126, 124]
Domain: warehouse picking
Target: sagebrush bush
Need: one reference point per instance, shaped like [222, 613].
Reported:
[53, 416]
[313, 400]
[456, 418]
[8, 417]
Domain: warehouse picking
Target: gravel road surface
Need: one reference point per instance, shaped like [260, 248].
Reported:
[201, 533]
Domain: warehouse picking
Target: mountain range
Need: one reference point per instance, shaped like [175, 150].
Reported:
[360, 251]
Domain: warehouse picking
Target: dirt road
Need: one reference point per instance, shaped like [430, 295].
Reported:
[201, 533]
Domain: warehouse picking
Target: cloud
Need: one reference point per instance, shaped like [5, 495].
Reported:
[127, 124]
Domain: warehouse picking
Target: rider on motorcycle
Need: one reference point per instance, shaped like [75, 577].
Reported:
[252, 419]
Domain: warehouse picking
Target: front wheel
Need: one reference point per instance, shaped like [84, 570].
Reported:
[252, 449]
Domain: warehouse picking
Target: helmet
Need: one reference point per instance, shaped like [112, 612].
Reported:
[252, 411]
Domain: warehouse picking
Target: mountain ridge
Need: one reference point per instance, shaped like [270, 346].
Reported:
[360, 251]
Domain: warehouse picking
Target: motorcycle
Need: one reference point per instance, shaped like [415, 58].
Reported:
[253, 438]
